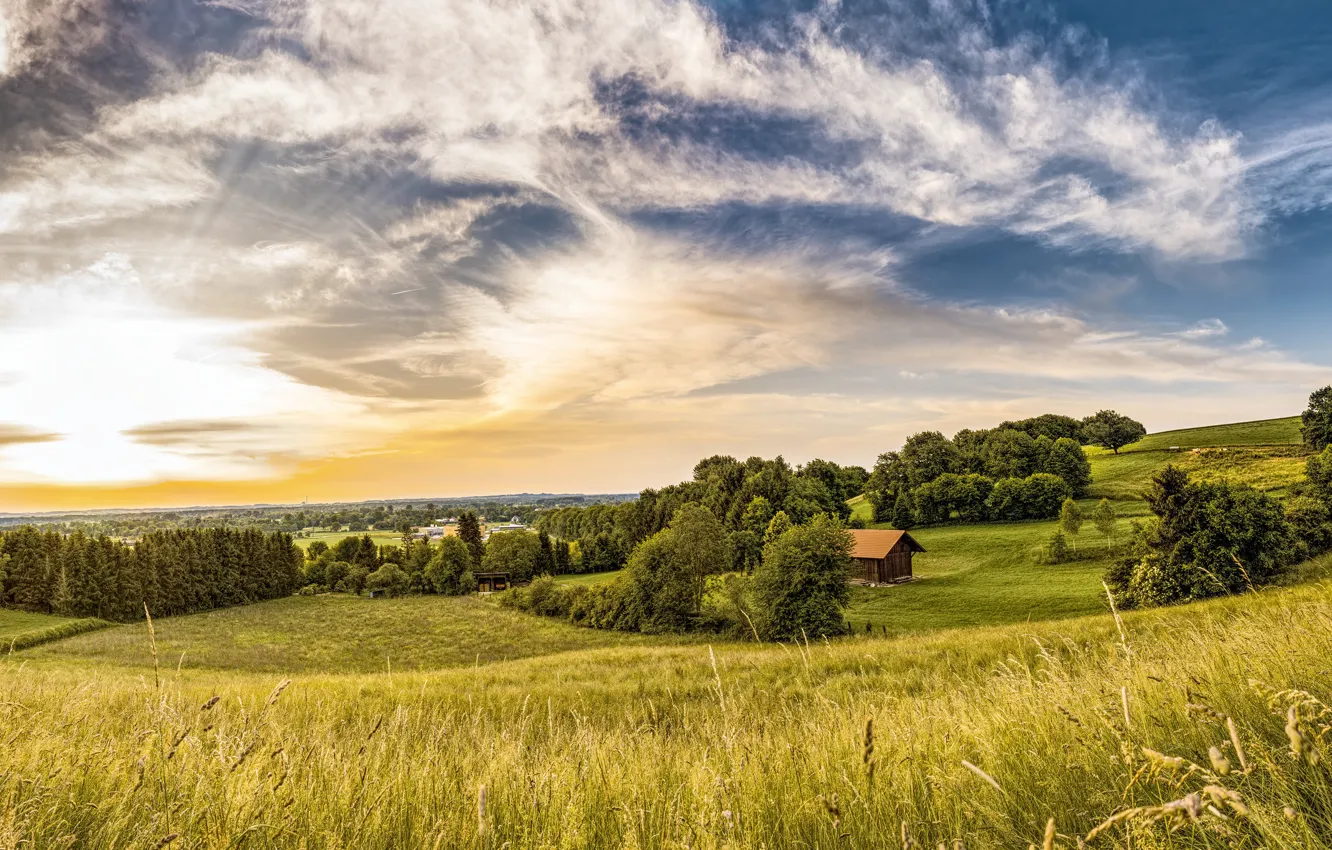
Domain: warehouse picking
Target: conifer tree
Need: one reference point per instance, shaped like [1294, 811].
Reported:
[469, 531]
[903, 514]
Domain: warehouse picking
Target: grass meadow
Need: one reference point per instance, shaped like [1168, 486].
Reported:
[979, 735]
[337, 633]
[20, 630]
[381, 538]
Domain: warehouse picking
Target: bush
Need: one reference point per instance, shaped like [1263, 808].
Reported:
[1038, 496]
[802, 585]
[1044, 494]
[1209, 539]
[1311, 525]
[1058, 550]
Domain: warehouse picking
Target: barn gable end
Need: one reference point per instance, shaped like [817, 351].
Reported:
[882, 556]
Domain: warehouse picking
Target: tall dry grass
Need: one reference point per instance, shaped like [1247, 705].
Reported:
[1202, 727]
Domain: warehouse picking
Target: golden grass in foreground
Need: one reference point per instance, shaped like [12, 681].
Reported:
[982, 736]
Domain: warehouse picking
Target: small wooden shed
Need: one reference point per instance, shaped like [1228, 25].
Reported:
[491, 582]
[882, 556]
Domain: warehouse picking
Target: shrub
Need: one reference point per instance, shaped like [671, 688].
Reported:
[1208, 539]
[802, 585]
[1043, 494]
[1058, 550]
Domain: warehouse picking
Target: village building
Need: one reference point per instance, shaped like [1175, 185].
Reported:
[882, 556]
[491, 582]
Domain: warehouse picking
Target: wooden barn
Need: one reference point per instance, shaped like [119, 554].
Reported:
[882, 556]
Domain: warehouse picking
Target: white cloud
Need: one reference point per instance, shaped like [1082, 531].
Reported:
[90, 360]
[990, 145]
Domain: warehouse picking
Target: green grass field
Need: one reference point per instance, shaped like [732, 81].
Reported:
[19, 629]
[383, 538]
[991, 574]
[338, 633]
[1266, 454]
[981, 575]
[589, 579]
[1264, 432]
[979, 736]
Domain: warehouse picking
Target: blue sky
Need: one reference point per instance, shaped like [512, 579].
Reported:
[444, 246]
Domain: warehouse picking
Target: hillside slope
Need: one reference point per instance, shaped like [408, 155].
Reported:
[979, 736]
[991, 574]
[339, 633]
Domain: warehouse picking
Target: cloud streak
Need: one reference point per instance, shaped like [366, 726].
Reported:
[442, 217]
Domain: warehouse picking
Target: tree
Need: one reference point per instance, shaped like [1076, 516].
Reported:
[512, 552]
[1009, 454]
[389, 578]
[335, 574]
[1058, 551]
[903, 514]
[1044, 494]
[802, 585]
[926, 456]
[450, 569]
[563, 557]
[315, 549]
[1070, 520]
[545, 564]
[469, 531]
[1110, 430]
[777, 526]
[757, 515]
[884, 485]
[1318, 469]
[1067, 460]
[1316, 420]
[1050, 425]
[667, 573]
[1104, 519]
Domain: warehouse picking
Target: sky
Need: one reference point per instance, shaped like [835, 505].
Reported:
[276, 250]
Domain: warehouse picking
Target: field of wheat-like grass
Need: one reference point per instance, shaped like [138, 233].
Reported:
[1198, 727]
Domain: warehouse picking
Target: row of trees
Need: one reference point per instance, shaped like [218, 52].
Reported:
[1004, 473]
[743, 496]
[1210, 538]
[174, 572]
[799, 586]
[355, 564]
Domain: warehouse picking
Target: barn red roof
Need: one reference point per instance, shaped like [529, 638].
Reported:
[877, 543]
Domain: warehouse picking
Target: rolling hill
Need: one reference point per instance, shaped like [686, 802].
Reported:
[998, 703]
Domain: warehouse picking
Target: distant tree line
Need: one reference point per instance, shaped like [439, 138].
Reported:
[357, 564]
[1019, 470]
[174, 572]
[353, 517]
[680, 579]
[743, 496]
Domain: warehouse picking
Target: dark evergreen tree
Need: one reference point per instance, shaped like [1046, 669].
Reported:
[903, 514]
[469, 531]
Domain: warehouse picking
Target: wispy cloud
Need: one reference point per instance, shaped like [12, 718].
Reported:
[349, 219]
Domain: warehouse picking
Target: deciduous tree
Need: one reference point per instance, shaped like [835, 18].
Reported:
[1110, 430]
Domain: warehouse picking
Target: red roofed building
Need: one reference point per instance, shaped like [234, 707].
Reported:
[882, 556]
